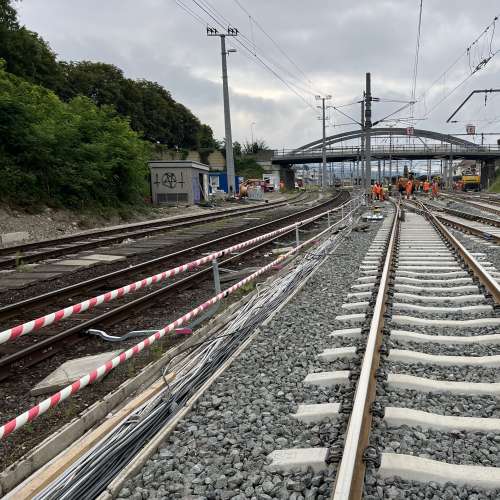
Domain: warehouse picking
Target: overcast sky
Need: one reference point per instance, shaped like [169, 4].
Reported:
[331, 43]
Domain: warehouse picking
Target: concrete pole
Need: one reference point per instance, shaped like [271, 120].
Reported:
[363, 157]
[450, 173]
[390, 169]
[368, 126]
[323, 183]
[390, 159]
[231, 182]
[357, 170]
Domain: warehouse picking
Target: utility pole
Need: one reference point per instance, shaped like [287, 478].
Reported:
[231, 181]
[323, 148]
[367, 127]
[363, 156]
[390, 161]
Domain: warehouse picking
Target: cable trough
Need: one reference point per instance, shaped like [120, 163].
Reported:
[91, 474]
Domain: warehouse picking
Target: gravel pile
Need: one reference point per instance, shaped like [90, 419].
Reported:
[455, 447]
[397, 489]
[220, 449]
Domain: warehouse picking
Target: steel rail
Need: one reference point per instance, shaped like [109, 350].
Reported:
[480, 206]
[350, 476]
[92, 283]
[465, 215]
[119, 229]
[479, 271]
[93, 240]
[125, 310]
[462, 226]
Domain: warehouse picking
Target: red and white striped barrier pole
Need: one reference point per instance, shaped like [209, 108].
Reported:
[102, 370]
[54, 317]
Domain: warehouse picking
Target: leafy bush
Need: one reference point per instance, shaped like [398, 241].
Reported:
[71, 154]
[248, 168]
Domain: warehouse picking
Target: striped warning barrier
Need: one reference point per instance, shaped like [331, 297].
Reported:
[102, 370]
[54, 317]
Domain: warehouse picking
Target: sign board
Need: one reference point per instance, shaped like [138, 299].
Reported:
[471, 129]
[410, 130]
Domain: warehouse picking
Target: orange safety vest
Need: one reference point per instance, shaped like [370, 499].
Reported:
[426, 186]
[409, 185]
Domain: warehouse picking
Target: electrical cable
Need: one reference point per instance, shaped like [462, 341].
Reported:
[297, 67]
[482, 62]
[212, 13]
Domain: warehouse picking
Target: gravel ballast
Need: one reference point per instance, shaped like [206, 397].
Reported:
[440, 403]
[397, 489]
[220, 449]
[455, 447]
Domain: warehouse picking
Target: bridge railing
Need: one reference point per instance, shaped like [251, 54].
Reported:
[444, 149]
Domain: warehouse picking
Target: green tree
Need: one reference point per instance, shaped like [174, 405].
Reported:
[26, 54]
[74, 154]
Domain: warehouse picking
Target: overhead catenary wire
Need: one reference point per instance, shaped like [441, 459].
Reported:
[251, 50]
[278, 46]
[472, 69]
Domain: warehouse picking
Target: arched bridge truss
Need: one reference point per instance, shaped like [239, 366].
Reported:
[444, 146]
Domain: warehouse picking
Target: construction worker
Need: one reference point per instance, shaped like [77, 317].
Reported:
[426, 186]
[409, 189]
[382, 193]
[374, 191]
[401, 188]
[435, 189]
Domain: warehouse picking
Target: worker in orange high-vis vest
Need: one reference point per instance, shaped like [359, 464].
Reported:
[426, 186]
[435, 189]
[375, 191]
[409, 189]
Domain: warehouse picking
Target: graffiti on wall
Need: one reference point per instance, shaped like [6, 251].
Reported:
[169, 180]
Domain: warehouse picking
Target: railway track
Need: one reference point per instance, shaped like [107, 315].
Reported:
[10, 257]
[30, 350]
[83, 400]
[427, 389]
[489, 205]
[273, 295]
[406, 405]
[486, 228]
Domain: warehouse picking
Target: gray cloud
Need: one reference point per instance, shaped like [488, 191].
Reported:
[334, 42]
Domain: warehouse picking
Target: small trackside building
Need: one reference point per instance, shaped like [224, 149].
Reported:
[178, 182]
